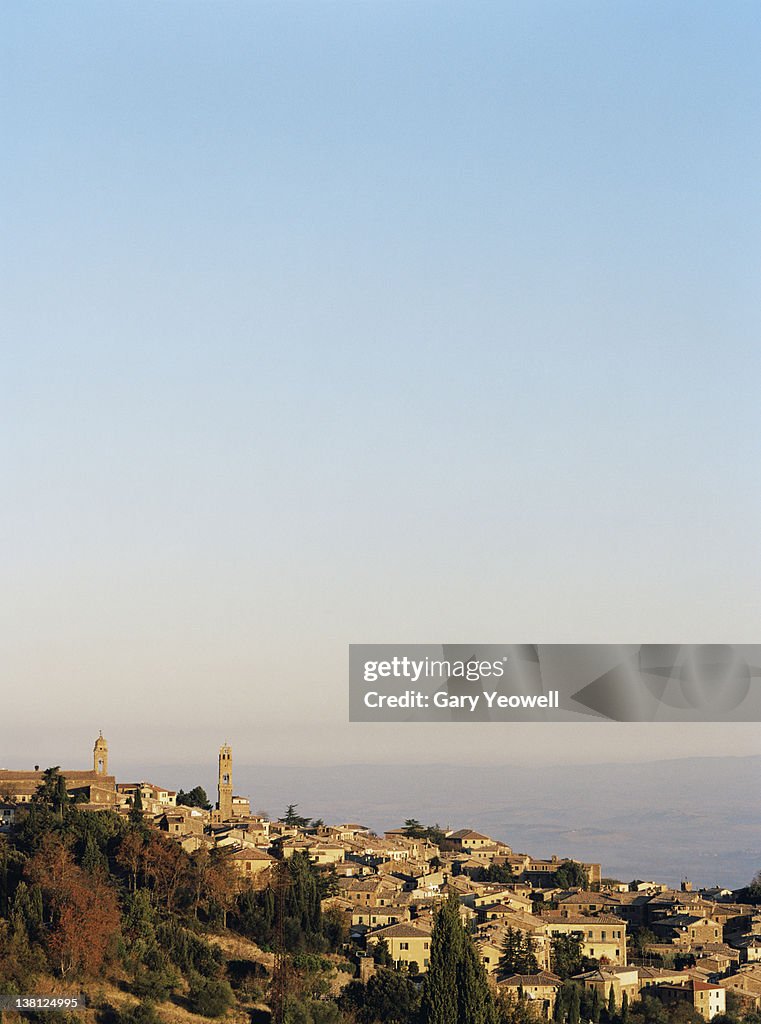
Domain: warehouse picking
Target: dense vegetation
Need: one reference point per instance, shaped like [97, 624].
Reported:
[106, 904]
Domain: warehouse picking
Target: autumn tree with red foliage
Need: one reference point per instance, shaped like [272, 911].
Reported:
[167, 867]
[85, 925]
[82, 908]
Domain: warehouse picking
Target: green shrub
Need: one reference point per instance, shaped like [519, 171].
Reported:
[211, 997]
[156, 985]
[143, 1013]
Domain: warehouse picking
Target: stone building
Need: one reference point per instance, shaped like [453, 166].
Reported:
[94, 787]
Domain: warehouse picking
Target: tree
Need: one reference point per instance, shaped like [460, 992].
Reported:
[52, 791]
[381, 953]
[574, 1006]
[210, 997]
[221, 883]
[440, 1002]
[566, 955]
[649, 1010]
[558, 1010]
[26, 912]
[475, 1003]
[166, 867]
[52, 867]
[136, 813]
[518, 955]
[388, 997]
[141, 1013]
[571, 875]
[292, 818]
[642, 938]
[335, 927]
[129, 855]
[514, 1008]
[510, 954]
[751, 893]
[196, 797]
[92, 858]
[501, 873]
[85, 922]
[298, 884]
[413, 828]
[456, 990]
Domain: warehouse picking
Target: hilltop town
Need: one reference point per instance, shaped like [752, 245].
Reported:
[542, 929]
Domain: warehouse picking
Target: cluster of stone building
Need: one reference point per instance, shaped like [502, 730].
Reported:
[231, 824]
[389, 886]
[722, 937]
[721, 940]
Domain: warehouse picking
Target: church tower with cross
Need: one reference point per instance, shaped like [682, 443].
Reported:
[100, 756]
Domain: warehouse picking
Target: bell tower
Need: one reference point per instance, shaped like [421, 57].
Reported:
[100, 756]
[225, 785]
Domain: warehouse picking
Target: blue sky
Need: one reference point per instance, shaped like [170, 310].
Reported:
[332, 322]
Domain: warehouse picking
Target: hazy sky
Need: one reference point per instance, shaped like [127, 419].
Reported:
[370, 321]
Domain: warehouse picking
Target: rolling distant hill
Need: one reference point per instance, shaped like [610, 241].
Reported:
[696, 818]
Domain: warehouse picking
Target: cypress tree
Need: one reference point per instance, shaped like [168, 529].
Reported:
[61, 798]
[136, 814]
[456, 989]
[558, 1010]
[475, 1004]
[92, 858]
[587, 999]
[611, 1002]
[440, 996]
[574, 1008]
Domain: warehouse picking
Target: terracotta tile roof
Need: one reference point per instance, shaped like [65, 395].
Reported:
[415, 930]
[558, 917]
[249, 854]
[541, 978]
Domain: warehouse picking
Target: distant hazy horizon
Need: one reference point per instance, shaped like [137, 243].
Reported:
[660, 818]
[665, 821]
